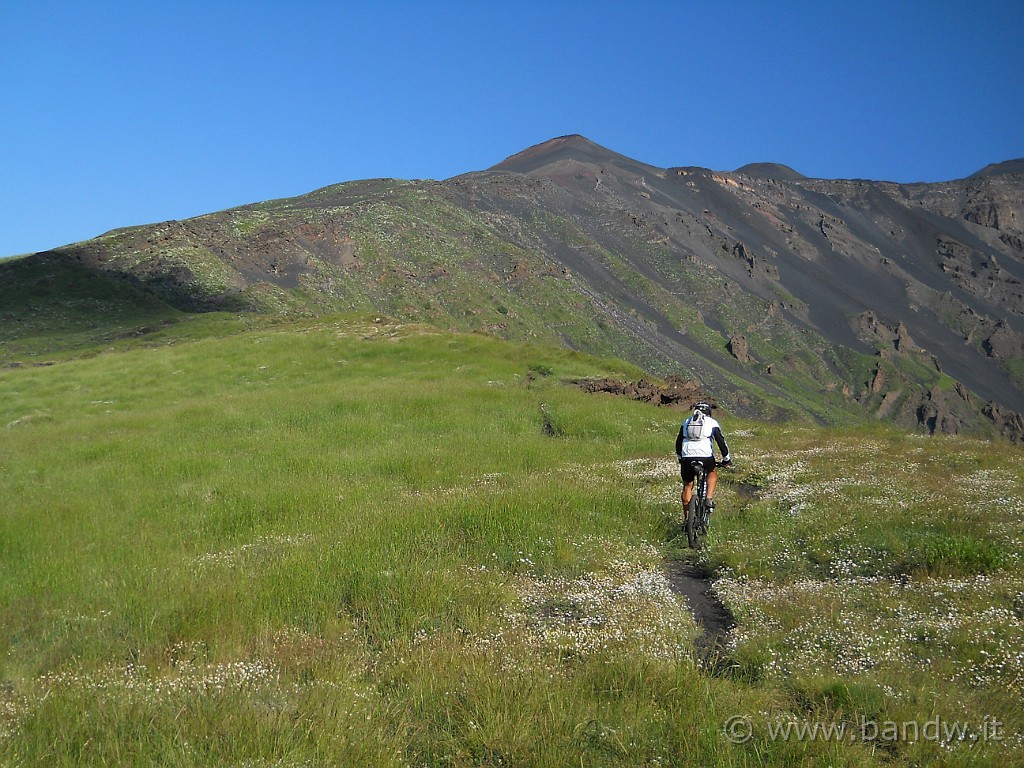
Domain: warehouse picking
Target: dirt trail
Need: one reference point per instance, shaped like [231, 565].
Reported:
[694, 583]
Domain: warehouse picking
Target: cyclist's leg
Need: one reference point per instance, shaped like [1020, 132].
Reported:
[686, 496]
[712, 477]
[688, 477]
[712, 482]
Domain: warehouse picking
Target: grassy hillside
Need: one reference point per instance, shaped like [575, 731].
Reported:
[720, 278]
[51, 304]
[350, 542]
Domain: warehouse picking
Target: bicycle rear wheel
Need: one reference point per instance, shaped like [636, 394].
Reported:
[697, 525]
[692, 527]
[696, 520]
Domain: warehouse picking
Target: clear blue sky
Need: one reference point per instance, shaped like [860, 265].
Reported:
[117, 113]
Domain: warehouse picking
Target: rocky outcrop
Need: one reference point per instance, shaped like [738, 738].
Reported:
[1007, 423]
[937, 413]
[739, 348]
[677, 392]
[870, 327]
[1005, 343]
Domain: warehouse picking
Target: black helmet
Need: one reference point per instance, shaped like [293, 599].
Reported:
[704, 407]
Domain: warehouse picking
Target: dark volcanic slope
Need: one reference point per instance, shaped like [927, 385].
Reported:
[777, 291]
[863, 264]
[770, 171]
[1000, 169]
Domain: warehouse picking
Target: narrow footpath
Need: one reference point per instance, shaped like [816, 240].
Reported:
[694, 584]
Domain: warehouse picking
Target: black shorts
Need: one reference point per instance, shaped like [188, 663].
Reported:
[686, 470]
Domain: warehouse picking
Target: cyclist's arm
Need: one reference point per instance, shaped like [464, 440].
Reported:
[722, 446]
[679, 442]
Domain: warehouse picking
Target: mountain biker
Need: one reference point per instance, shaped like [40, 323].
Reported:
[693, 443]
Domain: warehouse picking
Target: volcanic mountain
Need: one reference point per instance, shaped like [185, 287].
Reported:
[780, 293]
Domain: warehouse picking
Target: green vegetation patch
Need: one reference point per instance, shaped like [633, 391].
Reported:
[51, 304]
[344, 540]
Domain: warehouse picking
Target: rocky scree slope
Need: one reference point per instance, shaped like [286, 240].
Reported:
[778, 292]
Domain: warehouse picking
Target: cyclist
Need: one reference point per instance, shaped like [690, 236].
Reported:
[693, 443]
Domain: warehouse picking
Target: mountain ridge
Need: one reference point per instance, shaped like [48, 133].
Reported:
[815, 296]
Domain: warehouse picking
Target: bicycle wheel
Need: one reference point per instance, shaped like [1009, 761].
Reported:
[700, 526]
[695, 520]
[705, 509]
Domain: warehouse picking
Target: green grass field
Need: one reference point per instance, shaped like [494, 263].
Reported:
[344, 541]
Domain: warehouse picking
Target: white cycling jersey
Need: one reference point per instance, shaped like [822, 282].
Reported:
[689, 448]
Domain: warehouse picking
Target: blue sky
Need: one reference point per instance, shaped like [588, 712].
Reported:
[122, 113]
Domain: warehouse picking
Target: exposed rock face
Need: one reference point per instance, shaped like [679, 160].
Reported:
[937, 414]
[679, 270]
[677, 392]
[739, 349]
[1009, 424]
[1005, 343]
[878, 383]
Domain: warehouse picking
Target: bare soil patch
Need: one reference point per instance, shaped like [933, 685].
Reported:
[694, 583]
[677, 392]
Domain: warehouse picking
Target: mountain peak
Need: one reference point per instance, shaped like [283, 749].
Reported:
[571, 147]
[770, 171]
[572, 140]
[1000, 169]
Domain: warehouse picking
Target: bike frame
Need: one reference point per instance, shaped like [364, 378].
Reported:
[697, 521]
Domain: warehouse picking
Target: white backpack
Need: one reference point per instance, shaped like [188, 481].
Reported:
[697, 426]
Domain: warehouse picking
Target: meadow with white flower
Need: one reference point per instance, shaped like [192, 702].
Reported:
[351, 542]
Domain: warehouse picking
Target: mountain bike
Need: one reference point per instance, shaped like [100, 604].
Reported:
[699, 520]
[699, 517]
